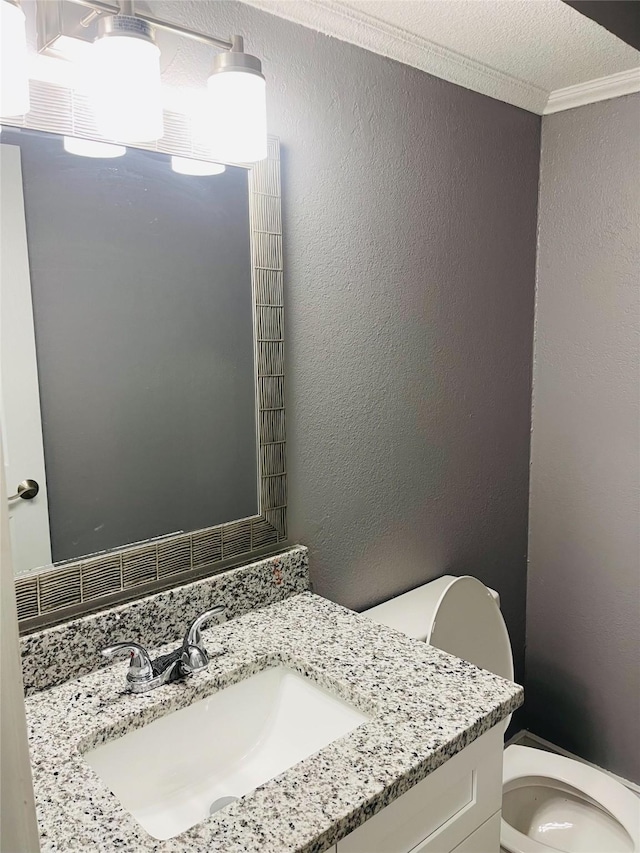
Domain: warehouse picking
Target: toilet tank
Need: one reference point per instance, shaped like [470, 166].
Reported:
[413, 611]
[459, 615]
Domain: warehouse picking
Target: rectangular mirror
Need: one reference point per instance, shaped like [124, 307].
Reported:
[142, 369]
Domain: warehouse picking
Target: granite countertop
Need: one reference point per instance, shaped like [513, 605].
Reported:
[425, 707]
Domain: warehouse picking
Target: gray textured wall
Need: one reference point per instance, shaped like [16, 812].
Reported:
[583, 630]
[409, 234]
[141, 284]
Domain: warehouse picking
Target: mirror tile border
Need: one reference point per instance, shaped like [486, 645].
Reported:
[52, 594]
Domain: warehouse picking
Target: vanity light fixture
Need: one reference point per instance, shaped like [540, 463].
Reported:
[91, 148]
[126, 90]
[14, 80]
[238, 106]
[187, 166]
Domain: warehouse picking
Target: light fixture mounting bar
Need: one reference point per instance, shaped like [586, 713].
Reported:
[114, 9]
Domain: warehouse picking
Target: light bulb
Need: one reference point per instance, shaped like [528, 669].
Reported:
[126, 88]
[237, 99]
[14, 81]
[91, 148]
[187, 166]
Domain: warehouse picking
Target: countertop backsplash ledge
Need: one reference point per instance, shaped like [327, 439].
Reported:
[72, 649]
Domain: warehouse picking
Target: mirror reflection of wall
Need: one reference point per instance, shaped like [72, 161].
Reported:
[140, 280]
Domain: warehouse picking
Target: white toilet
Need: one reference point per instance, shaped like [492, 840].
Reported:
[548, 802]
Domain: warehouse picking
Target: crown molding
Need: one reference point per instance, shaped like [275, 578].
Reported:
[624, 83]
[333, 18]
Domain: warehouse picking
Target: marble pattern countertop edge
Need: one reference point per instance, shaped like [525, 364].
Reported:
[425, 705]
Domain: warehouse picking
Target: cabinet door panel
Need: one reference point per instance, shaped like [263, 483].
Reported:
[442, 810]
[486, 839]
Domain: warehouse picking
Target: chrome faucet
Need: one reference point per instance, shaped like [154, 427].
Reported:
[191, 657]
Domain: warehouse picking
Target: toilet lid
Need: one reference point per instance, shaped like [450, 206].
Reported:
[468, 623]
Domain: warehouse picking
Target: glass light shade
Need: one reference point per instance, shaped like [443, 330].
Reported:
[187, 166]
[126, 90]
[91, 148]
[14, 81]
[238, 132]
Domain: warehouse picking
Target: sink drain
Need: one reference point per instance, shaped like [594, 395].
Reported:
[220, 803]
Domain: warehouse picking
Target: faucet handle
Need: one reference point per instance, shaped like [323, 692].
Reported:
[140, 668]
[194, 657]
[193, 637]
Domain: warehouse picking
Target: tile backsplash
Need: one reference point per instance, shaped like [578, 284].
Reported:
[72, 649]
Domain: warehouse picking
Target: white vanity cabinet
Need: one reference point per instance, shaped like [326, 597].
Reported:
[456, 809]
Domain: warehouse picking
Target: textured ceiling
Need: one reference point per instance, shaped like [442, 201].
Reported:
[515, 50]
[543, 42]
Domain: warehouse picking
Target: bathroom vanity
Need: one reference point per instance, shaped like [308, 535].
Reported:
[418, 766]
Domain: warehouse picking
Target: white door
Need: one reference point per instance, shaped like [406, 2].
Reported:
[20, 418]
[18, 827]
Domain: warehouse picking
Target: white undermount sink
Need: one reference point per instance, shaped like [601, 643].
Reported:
[174, 772]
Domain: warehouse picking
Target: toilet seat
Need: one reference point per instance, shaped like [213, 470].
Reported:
[524, 765]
